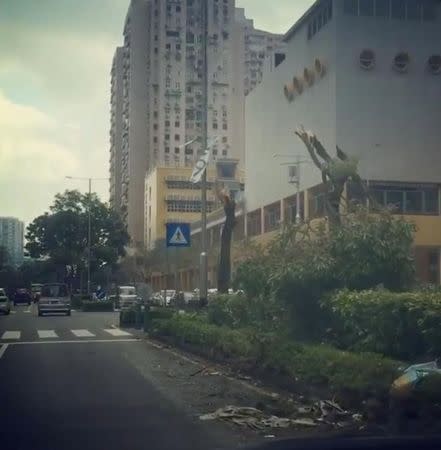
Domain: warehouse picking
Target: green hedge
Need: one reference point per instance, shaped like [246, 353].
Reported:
[76, 301]
[359, 374]
[95, 306]
[403, 325]
[127, 317]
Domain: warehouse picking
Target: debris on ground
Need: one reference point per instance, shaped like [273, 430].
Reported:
[322, 412]
[412, 376]
[206, 371]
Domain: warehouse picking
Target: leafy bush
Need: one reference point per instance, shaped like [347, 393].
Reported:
[95, 306]
[343, 372]
[252, 277]
[403, 325]
[76, 301]
[127, 317]
[238, 311]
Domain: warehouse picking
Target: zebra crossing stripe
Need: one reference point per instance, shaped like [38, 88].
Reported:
[82, 333]
[117, 332]
[43, 334]
[11, 335]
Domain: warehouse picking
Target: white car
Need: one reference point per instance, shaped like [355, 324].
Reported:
[5, 303]
[54, 298]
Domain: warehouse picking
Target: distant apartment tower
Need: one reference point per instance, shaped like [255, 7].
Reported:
[116, 128]
[11, 238]
[162, 89]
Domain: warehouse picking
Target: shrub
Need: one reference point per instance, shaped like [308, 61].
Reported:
[95, 306]
[343, 372]
[76, 301]
[127, 317]
[239, 311]
[403, 325]
[252, 277]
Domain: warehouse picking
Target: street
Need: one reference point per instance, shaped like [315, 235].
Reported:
[79, 382]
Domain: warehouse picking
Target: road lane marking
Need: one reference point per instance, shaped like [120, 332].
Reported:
[3, 349]
[82, 333]
[117, 332]
[11, 335]
[76, 341]
[43, 334]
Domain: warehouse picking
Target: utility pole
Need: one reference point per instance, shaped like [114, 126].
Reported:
[89, 223]
[89, 235]
[203, 256]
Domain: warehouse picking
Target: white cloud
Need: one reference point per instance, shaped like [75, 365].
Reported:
[28, 148]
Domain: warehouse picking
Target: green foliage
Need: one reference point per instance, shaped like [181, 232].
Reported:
[62, 233]
[359, 374]
[251, 277]
[403, 325]
[303, 264]
[94, 306]
[238, 311]
[369, 250]
[127, 317]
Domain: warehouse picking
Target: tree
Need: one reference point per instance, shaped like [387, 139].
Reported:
[224, 269]
[4, 257]
[336, 172]
[62, 234]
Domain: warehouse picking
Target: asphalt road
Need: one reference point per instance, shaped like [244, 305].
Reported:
[75, 383]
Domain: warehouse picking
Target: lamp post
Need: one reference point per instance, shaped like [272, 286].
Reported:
[89, 226]
[294, 177]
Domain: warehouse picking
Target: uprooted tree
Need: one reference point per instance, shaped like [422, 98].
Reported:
[224, 268]
[335, 171]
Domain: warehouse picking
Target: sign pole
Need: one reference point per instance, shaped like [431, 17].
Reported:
[203, 256]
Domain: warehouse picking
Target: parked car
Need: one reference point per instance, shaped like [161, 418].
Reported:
[126, 297]
[54, 298]
[21, 296]
[157, 299]
[5, 303]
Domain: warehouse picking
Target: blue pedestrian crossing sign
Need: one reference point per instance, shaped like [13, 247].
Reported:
[178, 234]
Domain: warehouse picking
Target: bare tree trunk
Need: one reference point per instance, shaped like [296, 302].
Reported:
[224, 270]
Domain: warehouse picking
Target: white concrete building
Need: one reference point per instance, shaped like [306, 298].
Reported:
[11, 238]
[364, 75]
[162, 106]
[377, 96]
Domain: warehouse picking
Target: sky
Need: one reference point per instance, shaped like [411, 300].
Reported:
[55, 60]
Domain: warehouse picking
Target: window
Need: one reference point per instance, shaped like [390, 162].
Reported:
[395, 201]
[167, 123]
[178, 8]
[401, 62]
[367, 59]
[254, 223]
[382, 8]
[224, 152]
[224, 139]
[272, 217]
[155, 114]
[367, 8]
[351, 7]
[172, 33]
[225, 126]
[214, 125]
[167, 46]
[167, 150]
[413, 10]
[434, 64]
[177, 124]
[177, 137]
[178, 46]
[177, 150]
[155, 139]
[156, 50]
[398, 9]
[155, 126]
[167, 137]
[188, 151]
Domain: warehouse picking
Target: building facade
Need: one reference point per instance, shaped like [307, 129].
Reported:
[162, 72]
[12, 239]
[116, 129]
[366, 76]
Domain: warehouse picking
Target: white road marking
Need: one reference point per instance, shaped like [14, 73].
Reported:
[82, 333]
[42, 334]
[77, 341]
[3, 349]
[117, 332]
[11, 335]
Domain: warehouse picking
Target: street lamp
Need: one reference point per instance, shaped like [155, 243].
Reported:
[294, 177]
[88, 222]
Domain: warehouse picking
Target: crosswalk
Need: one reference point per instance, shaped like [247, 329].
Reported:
[17, 335]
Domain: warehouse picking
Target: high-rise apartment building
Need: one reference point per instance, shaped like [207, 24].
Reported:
[116, 128]
[11, 238]
[162, 75]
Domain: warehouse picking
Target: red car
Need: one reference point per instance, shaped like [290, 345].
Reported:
[22, 296]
